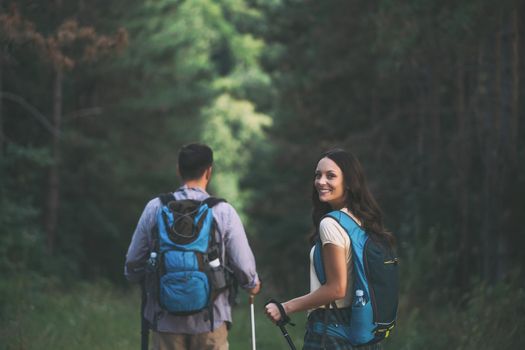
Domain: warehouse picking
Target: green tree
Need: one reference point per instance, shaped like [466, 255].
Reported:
[234, 130]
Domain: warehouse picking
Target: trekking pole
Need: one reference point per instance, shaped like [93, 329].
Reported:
[252, 316]
[144, 327]
[282, 322]
[287, 336]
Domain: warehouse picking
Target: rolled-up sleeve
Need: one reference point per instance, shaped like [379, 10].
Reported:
[140, 243]
[238, 252]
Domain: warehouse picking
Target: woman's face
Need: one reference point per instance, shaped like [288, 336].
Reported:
[329, 183]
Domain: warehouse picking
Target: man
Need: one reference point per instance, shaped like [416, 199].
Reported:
[194, 331]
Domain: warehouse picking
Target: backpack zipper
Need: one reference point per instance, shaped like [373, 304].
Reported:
[395, 261]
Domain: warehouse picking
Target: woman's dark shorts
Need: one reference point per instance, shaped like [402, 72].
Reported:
[315, 341]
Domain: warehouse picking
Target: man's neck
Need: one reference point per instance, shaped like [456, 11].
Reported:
[199, 183]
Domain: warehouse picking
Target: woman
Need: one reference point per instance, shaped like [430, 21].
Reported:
[339, 185]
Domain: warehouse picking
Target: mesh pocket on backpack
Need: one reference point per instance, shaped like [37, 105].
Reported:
[184, 292]
[361, 324]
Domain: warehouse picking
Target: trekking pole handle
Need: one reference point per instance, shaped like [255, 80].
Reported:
[285, 319]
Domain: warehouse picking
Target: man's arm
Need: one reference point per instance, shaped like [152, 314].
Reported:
[239, 253]
[139, 247]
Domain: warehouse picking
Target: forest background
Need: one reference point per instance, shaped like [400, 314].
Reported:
[97, 96]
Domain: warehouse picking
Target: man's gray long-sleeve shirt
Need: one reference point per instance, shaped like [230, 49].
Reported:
[237, 252]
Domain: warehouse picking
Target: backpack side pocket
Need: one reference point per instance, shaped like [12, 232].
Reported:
[361, 325]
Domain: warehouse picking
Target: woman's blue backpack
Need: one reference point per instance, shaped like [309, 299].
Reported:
[376, 274]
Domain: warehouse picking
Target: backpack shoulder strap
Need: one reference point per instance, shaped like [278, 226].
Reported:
[336, 215]
[348, 224]
[318, 262]
[345, 221]
[165, 198]
[213, 201]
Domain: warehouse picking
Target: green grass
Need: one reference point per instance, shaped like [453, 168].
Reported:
[40, 315]
[83, 317]
[43, 314]
[267, 335]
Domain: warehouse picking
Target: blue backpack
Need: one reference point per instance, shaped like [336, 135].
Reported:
[188, 262]
[376, 274]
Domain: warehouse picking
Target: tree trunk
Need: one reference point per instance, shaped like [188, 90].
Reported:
[515, 84]
[513, 220]
[420, 171]
[54, 171]
[485, 115]
[433, 111]
[505, 181]
[2, 137]
[464, 171]
[496, 137]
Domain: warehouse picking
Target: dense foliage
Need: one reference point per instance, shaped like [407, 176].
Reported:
[428, 95]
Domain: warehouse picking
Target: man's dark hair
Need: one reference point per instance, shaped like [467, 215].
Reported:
[194, 159]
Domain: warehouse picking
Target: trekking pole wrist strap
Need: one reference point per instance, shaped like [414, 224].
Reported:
[285, 319]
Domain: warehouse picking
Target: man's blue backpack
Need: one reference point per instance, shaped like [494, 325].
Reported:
[376, 274]
[189, 276]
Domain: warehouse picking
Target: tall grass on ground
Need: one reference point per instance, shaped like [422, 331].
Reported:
[268, 336]
[42, 314]
[488, 317]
